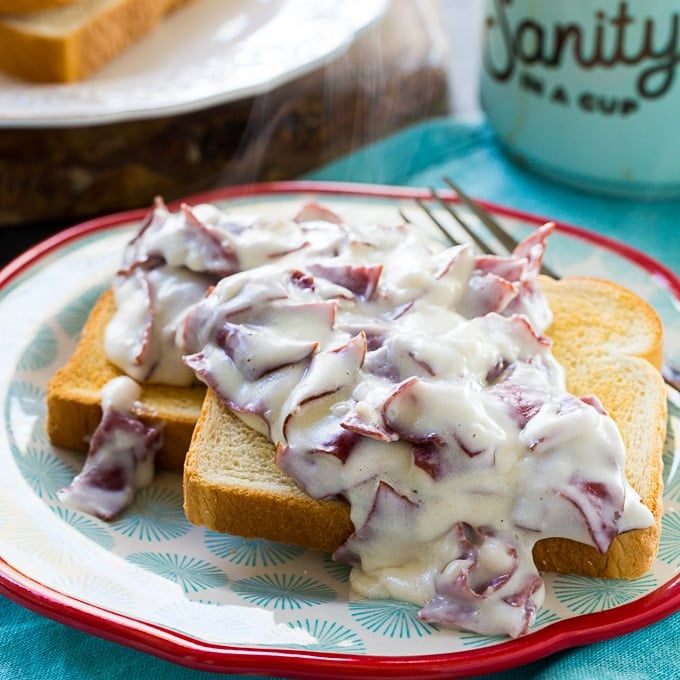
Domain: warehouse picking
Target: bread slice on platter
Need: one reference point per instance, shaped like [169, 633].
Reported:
[74, 395]
[609, 341]
[27, 6]
[67, 43]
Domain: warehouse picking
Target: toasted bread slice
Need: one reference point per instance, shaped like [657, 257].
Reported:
[66, 44]
[610, 343]
[26, 6]
[612, 346]
[232, 485]
[74, 399]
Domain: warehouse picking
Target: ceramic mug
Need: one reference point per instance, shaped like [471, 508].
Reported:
[587, 91]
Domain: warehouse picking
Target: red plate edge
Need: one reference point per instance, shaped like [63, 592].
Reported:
[659, 271]
[199, 655]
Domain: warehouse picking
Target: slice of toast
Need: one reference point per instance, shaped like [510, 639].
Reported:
[66, 44]
[74, 399]
[27, 6]
[610, 343]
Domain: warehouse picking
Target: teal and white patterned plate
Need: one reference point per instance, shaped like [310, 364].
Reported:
[155, 582]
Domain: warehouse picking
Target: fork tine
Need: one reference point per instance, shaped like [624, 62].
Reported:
[435, 220]
[503, 237]
[670, 373]
[494, 227]
[432, 217]
[478, 240]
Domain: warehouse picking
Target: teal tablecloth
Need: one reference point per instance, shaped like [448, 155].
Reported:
[35, 648]
[470, 155]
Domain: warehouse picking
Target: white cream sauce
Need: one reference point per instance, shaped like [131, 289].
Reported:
[171, 264]
[120, 459]
[409, 378]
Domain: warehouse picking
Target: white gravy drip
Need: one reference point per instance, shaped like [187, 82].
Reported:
[120, 460]
[414, 381]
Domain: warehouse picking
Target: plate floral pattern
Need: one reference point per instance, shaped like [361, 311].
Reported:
[150, 566]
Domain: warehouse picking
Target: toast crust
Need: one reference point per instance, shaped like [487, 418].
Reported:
[74, 399]
[232, 484]
[27, 6]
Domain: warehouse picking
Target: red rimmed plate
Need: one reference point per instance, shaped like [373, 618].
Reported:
[151, 581]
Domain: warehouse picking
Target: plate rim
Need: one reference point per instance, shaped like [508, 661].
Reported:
[661, 272]
[200, 655]
[196, 654]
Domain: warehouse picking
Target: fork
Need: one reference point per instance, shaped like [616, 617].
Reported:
[671, 373]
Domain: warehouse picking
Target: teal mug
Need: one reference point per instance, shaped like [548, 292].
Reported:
[586, 91]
